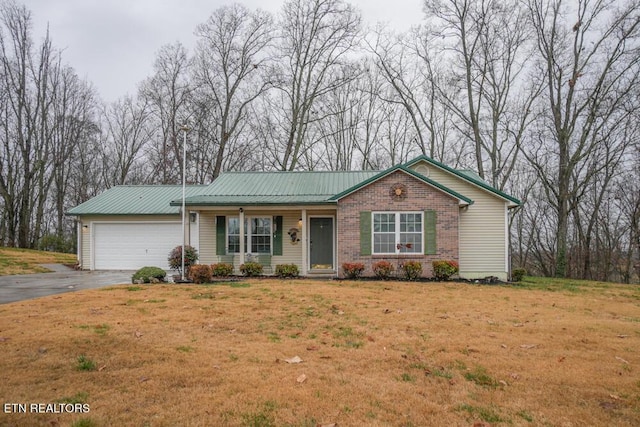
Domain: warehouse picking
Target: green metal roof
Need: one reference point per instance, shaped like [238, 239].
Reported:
[135, 200]
[411, 172]
[468, 176]
[276, 188]
[261, 188]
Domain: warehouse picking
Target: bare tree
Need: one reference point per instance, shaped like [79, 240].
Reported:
[74, 111]
[168, 93]
[44, 110]
[407, 65]
[127, 134]
[487, 46]
[589, 58]
[231, 69]
[316, 36]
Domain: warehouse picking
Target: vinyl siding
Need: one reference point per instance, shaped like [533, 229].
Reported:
[482, 227]
[291, 253]
[208, 236]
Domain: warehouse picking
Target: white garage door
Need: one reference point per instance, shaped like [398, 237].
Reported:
[129, 246]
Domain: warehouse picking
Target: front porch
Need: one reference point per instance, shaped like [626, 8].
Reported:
[270, 236]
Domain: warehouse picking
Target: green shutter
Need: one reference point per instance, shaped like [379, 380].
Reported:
[277, 236]
[429, 225]
[221, 235]
[365, 233]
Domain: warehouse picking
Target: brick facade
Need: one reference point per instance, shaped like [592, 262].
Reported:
[376, 197]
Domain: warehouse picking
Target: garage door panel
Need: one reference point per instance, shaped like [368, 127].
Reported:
[129, 246]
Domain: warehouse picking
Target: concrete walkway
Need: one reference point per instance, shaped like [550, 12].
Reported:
[62, 279]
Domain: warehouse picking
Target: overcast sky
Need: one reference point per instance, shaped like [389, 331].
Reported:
[112, 43]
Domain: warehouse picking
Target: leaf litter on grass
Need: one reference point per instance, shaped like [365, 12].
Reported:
[231, 367]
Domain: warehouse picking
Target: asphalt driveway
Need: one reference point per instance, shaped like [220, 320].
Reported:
[62, 279]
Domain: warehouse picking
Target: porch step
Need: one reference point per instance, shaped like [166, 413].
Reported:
[325, 274]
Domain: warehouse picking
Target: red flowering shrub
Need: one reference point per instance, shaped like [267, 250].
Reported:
[382, 269]
[352, 270]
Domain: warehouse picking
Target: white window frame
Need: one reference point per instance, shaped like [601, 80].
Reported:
[396, 232]
[248, 235]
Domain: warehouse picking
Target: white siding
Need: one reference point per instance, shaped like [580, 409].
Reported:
[483, 240]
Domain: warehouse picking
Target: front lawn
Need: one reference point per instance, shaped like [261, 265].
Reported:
[27, 261]
[368, 353]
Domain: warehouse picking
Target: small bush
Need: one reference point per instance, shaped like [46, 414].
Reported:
[251, 269]
[412, 270]
[287, 270]
[147, 274]
[382, 269]
[443, 270]
[200, 273]
[353, 270]
[221, 269]
[175, 257]
[517, 274]
[55, 243]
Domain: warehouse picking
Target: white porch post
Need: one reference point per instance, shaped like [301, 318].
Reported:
[305, 244]
[242, 231]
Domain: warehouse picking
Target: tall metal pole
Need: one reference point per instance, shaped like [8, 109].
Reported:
[184, 128]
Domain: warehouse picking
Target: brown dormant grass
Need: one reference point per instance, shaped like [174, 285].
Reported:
[373, 353]
[26, 261]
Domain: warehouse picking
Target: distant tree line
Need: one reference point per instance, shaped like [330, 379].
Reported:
[539, 97]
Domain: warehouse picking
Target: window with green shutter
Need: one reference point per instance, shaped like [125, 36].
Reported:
[397, 233]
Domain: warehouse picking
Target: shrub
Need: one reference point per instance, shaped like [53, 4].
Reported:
[382, 269]
[412, 270]
[147, 274]
[175, 257]
[250, 269]
[444, 269]
[222, 269]
[517, 274]
[352, 270]
[287, 270]
[55, 243]
[200, 273]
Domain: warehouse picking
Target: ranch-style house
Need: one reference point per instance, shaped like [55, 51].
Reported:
[422, 210]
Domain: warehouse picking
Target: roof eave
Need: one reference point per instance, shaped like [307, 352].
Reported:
[227, 204]
[481, 184]
[120, 213]
[462, 200]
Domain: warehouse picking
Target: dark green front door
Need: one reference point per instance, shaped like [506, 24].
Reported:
[321, 243]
